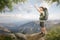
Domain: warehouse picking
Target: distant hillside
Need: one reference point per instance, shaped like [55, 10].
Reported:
[30, 27]
[33, 27]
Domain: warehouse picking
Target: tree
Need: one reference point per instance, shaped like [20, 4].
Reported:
[52, 1]
[8, 3]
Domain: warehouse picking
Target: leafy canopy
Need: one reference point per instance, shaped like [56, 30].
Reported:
[8, 3]
[52, 1]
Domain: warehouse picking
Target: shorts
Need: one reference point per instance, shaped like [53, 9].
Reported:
[41, 24]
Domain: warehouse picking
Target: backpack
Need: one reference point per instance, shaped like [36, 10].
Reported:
[45, 16]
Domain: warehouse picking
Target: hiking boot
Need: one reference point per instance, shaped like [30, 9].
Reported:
[42, 34]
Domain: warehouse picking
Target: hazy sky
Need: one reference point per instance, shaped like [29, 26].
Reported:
[22, 12]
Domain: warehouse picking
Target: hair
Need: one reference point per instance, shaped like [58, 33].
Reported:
[43, 8]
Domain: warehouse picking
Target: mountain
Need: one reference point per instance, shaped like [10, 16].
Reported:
[33, 27]
[28, 28]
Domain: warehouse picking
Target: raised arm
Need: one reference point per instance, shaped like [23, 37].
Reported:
[37, 8]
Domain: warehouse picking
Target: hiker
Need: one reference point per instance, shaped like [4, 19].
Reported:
[43, 17]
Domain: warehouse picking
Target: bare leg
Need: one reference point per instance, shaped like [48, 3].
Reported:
[43, 29]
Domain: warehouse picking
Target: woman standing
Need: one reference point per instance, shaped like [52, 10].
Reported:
[43, 17]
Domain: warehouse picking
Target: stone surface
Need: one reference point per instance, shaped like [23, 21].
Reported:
[35, 36]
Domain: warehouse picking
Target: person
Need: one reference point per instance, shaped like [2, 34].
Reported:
[43, 17]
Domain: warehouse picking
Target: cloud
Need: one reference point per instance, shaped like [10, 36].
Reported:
[28, 12]
[54, 16]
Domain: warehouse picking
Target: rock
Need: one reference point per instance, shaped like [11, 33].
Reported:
[35, 36]
[20, 36]
[13, 36]
[8, 37]
[2, 29]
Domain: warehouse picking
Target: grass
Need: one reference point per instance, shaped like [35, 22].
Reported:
[53, 33]
[5, 37]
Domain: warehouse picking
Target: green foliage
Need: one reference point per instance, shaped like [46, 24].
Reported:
[52, 1]
[8, 3]
[53, 33]
[16, 1]
[7, 38]
[4, 37]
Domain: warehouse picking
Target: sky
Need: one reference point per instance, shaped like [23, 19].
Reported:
[23, 12]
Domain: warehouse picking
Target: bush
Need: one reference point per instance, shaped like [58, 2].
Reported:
[5, 37]
[53, 33]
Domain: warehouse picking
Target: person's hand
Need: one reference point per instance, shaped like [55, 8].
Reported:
[37, 7]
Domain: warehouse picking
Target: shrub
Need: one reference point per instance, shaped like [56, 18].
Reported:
[53, 33]
[5, 37]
